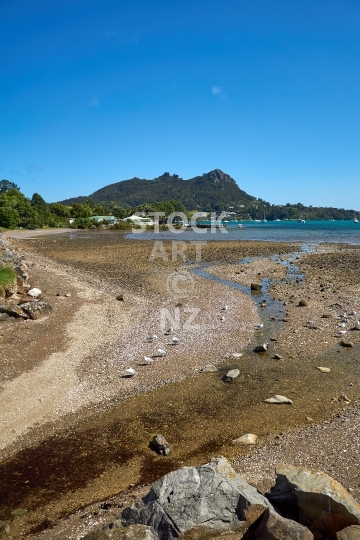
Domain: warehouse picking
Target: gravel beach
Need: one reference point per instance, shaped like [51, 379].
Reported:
[68, 405]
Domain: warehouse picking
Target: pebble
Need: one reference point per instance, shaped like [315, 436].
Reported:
[277, 399]
[209, 368]
[323, 369]
[248, 438]
[231, 375]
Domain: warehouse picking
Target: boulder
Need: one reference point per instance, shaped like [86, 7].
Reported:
[349, 533]
[212, 496]
[320, 502]
[36, 310]
[275, 527]
[160, 445]
[231, 375]
[11, 309]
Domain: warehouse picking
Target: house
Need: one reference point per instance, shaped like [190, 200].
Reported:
[139, 219]
[109, 219]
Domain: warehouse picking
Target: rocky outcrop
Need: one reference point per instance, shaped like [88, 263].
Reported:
[17, 298]
[349, 533]
[316, 499]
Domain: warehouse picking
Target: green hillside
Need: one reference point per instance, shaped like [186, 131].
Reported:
[211, 191]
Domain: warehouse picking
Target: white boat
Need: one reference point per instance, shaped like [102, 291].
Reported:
[356, 220]
[240, 226]
[257, 220]
[301, 220]
[277, 219]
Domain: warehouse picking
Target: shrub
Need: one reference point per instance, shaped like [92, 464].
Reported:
[7, 274]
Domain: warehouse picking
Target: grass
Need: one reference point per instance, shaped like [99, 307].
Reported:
[7, 275]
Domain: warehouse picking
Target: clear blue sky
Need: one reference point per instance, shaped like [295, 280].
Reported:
[97, 91]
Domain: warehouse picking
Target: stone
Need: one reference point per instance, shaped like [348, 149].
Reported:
[34, 293]
[275, 527]
[4, 527]
[255, 286]
[347, 344]
[19, 512]
[349, 533]
[303, 303]
[322, 503]
[160, 445]
[277, 399]
[185, 499]
[236, 355]
[13, 310]
[36, 310]
[248, 438]
[67, 295]
[120, 297]
[231, 375]
[261, 348]
[209, 368]
[323, 369]
[277, 357]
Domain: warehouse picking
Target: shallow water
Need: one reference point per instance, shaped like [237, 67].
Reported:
[346, 232]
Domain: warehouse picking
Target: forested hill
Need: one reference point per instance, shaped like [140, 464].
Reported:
[211, 191]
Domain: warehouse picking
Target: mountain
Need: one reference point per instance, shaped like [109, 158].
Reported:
[215, 190]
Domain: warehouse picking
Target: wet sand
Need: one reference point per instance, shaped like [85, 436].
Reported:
[89, 438]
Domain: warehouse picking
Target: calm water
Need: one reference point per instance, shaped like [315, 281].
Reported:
[272, 231]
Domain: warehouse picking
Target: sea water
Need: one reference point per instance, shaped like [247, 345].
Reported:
[312, 232]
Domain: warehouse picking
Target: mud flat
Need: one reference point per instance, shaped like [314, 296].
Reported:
[81, 431]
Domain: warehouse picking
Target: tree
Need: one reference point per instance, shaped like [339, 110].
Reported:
[81, 210]
[6, 185]
[41, 208]
[9, 217]
[60, 210]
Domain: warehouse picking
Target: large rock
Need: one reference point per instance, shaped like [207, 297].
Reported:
[36, 310]
[13, 310]
[349, 533]
[213, 496]
[231, 375]
[275, 527]
[321, 503]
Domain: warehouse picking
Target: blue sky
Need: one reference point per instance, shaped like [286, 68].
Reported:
[97, 91]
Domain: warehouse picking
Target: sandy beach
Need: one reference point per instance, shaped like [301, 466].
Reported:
[67, 407]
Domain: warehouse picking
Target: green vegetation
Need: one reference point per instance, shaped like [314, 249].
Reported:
[7, 275]
[213, 191]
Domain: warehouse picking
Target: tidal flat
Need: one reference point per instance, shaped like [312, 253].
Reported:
[76, 432]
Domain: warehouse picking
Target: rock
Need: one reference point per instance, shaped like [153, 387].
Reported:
[231, 375]
[309, 419]
[236, 355]
[210, 368]
[261, 348]
[160, 445]
[322, 503]
[184, 499]
[277, 357]
[323, 369]
[248, 438]
[34, 293]
[96, 535]
[120, 297]
[67, 295]
[19, 512]
[347, 344]
[13, 310]
[326, 316]
[303, 303]
[255, 286]
[4, 316]
[4, 528]
[278, 400]
[275, 527]
[36, 310]
[349, 533]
